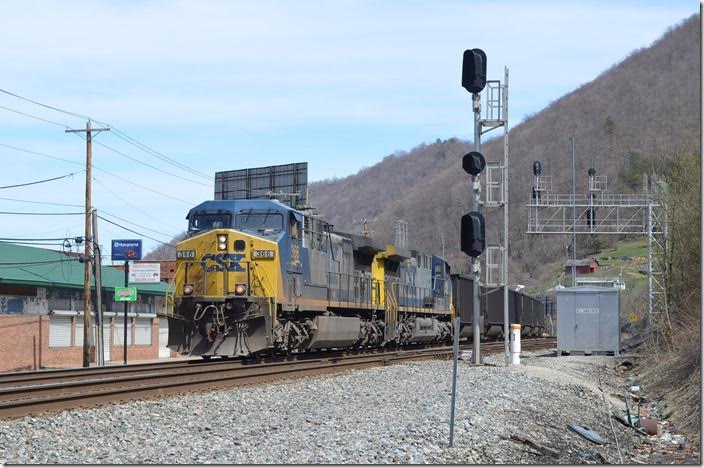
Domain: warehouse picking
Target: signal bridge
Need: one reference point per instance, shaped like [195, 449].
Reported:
[602, 213]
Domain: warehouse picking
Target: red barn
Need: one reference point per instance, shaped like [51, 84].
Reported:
[584, 267]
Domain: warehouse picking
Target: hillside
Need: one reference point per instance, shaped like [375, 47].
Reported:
[647, 104]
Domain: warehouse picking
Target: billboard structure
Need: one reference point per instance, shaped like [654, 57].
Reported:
[287, 183]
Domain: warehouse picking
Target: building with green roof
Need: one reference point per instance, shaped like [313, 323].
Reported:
[57, 277]
[41, 312]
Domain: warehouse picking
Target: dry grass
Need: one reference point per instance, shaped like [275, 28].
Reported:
[675, 377]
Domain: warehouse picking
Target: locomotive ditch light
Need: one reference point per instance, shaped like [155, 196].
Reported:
[473, 163]
[187, 289]
[240, 289]
[474, 70]
[472, 234]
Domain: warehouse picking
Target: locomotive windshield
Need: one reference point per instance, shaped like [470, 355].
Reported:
[204, 222]
[267, 221]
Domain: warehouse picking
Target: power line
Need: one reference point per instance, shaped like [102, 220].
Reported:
[36, 153]
[33, 116]
[119, 133]
[149, 165]
[135, 232]
[41, 202]
[157, 154]
[136, 208]
[39, 181]
[39, 214]
[144, 187]
[35, 239]
[45, 105]
[44, 262]
[32, 243]
[135, 224]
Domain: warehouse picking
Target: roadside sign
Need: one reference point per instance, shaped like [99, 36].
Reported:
[145, 273]
[126, 249]
[126, 294]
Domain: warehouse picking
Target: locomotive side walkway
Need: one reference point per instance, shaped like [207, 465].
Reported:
[396, 414]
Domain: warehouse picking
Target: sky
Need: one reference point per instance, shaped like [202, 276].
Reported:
[222, 85]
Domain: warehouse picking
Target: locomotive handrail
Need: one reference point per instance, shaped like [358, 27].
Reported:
[170, 296]
[362, 296]
[271, 297]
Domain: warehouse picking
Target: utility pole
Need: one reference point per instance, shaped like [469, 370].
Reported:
[98, 265]
[87, 335]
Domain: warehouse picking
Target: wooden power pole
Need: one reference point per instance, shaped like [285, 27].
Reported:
[87, 328]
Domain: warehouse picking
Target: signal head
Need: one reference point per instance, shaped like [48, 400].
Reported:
[537, 168]
[472, 234]
[474, 70]
[473, 163]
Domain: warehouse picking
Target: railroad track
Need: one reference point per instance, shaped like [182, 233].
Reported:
[30, 393]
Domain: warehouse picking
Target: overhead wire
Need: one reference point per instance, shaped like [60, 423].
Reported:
[39, 181]
[120, 134]
[136, 208]
[148, 165]
[123, 136]
[157, 154]
[43, 262]
[135, 232]
[36, 153]
[135, 224]
[35, 239]
[22, 213]
[85, 117]
[41, 202]
[33, 116]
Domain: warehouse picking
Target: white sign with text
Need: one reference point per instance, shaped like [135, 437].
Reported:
[145, 273]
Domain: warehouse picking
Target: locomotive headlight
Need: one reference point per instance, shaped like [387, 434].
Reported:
[187, 289]
[240, 289]
[222, 241]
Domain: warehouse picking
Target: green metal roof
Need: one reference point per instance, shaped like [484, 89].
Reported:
[20, 264]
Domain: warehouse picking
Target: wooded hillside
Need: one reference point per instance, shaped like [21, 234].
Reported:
[648, 104]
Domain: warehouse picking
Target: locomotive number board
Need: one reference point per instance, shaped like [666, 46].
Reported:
[263, 254]
[185, 254]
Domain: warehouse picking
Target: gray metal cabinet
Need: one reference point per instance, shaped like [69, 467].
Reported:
[588, 320]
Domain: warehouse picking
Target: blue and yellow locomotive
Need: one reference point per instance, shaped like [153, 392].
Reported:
[257, 276]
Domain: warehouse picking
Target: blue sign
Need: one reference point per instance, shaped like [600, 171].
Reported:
[126, 249]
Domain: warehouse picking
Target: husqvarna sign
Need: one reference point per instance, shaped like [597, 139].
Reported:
[126, 249]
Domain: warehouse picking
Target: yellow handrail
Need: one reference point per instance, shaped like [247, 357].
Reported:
[269, 292]
[171, 294]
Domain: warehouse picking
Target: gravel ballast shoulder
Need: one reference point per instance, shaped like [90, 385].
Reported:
[393, 414]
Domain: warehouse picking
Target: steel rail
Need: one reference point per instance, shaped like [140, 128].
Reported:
[22, 400]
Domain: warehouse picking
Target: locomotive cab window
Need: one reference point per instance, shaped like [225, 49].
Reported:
[267, 221]
[207, 221]
[295, 227]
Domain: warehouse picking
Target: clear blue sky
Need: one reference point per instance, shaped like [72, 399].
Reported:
[220, 85]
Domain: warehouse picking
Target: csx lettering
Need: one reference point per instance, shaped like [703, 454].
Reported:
[229, 262]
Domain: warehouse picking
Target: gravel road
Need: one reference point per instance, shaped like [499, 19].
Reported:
[394, 414]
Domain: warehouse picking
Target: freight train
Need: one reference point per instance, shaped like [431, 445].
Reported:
[257, 276]
[525, 310]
